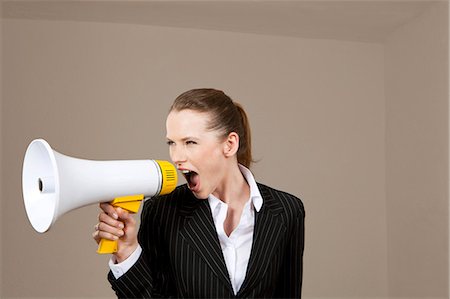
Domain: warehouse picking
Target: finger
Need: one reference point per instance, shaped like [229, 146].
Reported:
[109, 209]
[96, 237]
[105, 228]
[99, 235]
[105, 235]
[129, 222]
[124, 215]
[103, 217]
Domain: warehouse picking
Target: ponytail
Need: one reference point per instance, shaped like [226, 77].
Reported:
[244, 153]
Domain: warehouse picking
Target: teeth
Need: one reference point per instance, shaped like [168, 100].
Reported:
[185, 171]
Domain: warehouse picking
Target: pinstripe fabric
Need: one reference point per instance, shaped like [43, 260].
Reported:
[182, 256]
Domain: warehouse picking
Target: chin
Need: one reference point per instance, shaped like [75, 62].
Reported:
[200, 194]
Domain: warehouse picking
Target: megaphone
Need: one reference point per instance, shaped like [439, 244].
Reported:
[54, 184]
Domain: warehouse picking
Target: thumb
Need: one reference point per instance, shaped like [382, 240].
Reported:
[125, 216]
[122, 213]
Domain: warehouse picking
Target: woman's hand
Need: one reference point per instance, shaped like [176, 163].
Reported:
[117, 224]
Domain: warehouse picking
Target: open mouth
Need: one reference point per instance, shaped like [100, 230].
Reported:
[192, 179]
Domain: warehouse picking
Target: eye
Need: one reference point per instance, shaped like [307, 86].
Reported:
[190, 142]
[170, 142]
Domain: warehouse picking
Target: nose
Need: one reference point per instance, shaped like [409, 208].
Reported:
[178, 155]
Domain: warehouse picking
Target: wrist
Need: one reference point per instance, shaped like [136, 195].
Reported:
[124, 252]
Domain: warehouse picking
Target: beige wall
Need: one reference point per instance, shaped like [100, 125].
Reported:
[417, 156]
[359, 131]
[1, 149]
[101, 91]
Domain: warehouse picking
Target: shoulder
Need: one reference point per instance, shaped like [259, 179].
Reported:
[281, 201]
[172, 201]
[164, 213]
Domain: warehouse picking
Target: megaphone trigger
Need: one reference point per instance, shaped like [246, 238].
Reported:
[130, 203]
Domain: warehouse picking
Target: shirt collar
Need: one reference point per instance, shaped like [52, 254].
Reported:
[255, 195]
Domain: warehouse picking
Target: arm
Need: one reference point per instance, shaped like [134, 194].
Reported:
[148, 277]
[289, 284]
[137, 282]
[118, 225]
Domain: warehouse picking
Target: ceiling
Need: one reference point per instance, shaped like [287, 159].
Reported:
[359, 20]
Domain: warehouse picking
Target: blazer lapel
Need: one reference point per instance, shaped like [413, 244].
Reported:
[266, 236]
[199, 231]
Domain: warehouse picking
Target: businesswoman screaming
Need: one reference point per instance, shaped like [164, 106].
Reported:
[221, 235]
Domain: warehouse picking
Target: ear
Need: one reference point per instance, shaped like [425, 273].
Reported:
[231, 144]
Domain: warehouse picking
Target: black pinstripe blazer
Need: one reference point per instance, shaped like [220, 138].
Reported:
[182, 256]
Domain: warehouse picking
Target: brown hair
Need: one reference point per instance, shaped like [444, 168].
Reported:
[226, 116]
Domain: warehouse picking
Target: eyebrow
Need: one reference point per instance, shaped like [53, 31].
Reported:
[184, 138]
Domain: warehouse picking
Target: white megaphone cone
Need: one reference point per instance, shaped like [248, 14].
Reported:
[54, 184]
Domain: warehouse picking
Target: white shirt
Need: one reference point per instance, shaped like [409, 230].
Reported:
[236, 248]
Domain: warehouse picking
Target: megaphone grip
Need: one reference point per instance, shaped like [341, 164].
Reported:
[130, 203]
[107, 246]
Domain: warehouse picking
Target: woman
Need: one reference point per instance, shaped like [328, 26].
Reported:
[221, 235]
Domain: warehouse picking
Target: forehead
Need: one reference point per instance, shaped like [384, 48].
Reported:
[180, 124]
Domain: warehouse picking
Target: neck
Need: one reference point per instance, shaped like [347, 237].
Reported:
[233, 188]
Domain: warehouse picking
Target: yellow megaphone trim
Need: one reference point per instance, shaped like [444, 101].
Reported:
[169, 177]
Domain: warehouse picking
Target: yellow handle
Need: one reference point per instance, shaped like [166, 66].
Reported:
[107, 246]
[131, 204]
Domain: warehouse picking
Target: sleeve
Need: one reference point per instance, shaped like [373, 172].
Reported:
[143, 279]
[289, 284]
[118, 269]
[137, 282]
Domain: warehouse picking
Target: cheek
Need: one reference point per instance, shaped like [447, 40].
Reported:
[204, 153]
[213, 152]
[212, 161]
